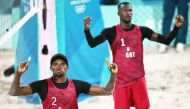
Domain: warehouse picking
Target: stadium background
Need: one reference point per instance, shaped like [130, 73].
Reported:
[146, 12]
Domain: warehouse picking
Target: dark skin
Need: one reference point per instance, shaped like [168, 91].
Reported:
[125, 13]
[59, 69]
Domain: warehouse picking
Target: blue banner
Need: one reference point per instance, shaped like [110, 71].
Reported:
[85, 63]
[28, 46]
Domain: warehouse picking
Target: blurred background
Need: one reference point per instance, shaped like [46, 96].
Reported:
[42, 28]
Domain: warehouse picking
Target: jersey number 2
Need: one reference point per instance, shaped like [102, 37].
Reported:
[54, 100]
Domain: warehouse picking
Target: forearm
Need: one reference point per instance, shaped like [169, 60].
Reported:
[93, 41]
[97, 90]
[89, 38]
[15, 86]
[168, 39]
[109, 87]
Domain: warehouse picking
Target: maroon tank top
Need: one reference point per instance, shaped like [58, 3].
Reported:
[127, 51]
[60, 98]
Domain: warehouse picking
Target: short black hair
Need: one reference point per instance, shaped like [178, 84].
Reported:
[123, 3]
[59, 56]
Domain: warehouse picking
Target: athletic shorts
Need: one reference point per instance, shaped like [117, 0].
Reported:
[133, 95]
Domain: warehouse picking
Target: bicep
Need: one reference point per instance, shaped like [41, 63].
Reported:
[99, 39]
[149, 34]
[94, 41]
[102, 36]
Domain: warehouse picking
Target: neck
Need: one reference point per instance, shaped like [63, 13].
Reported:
[125, 25]
[59, 79]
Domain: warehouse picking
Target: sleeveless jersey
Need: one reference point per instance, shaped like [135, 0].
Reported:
[127, 51]
[60, 98]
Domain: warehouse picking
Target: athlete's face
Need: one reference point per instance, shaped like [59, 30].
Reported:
[125, 13]
[59, 68]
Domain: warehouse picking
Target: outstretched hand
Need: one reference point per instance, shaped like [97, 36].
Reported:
[112, 67]
[87, 21]
[22, 67]
[179, 20]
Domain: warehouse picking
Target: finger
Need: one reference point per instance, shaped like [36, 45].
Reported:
[27, 63]
[107, 62]
[113, 65]
[179, 18]
[29, 59]
[22, 64]
[87, 17]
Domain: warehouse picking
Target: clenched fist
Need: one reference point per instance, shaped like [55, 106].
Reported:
[179, 20]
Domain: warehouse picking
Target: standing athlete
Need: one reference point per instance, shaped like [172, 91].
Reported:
[125, 41]
[59, 92]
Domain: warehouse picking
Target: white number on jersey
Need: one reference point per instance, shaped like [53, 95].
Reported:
[122, 42]
[54, 98]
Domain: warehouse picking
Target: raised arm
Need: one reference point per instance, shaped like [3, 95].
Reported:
[168, 39]
[92, 41]
[97, 90]
[16, 89]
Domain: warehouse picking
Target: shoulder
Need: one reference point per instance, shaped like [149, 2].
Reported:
[145, 28]
[109, 29]
[81, 84]
[40, 82]
[75, 81]
[38, 86]
[146, 32]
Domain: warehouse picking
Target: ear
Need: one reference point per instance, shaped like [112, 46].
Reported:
[67, 67]
[51, 68]
[118, 13]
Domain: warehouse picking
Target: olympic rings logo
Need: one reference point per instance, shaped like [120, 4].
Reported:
[80, 9]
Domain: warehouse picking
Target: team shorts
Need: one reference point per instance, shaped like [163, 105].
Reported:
[133, 95]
